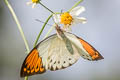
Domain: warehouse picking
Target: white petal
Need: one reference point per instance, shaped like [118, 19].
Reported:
[79, 20]
[77, 10]
[28, 3]
[56, 18]
[34, 4]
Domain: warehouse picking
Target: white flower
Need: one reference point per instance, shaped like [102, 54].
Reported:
[33, 2]
[70, 18]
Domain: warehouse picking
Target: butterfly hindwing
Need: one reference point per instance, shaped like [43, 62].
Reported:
[60, 57]
[32, 64]
[55, 54]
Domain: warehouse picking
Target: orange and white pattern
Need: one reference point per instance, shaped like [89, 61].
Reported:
[54, 53]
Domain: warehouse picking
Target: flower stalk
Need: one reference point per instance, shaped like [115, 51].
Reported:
[46, 7]
[76, 4]
[18, 25]
[42, 29]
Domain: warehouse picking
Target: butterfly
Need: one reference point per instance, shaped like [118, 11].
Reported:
[56, 52]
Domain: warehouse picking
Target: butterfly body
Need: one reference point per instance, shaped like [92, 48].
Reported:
[56, 53]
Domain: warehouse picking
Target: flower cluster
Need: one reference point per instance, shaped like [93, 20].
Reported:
[33, 2]
[68, 18]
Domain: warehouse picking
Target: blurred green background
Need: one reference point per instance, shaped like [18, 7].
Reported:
[102, 31]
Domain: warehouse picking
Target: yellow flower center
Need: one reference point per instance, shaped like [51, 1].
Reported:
[66, 18]
[35, 1]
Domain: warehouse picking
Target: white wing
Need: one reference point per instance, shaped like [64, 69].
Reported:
[55, 55]
[84, 49]
[76, 42]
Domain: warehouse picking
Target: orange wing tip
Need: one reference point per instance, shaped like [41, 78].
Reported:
[32, 64]
[91, 50]
[97, 56]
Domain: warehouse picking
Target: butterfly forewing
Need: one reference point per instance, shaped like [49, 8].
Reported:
[95, 55]
[85, 49]
[32, 64]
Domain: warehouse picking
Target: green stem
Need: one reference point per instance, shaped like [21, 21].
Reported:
[42, 30]
[18, 24]
[19, 27]
[76, 4]
[26, 77]
[46, 7]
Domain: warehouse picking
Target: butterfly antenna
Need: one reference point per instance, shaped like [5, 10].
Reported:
[42, 22]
